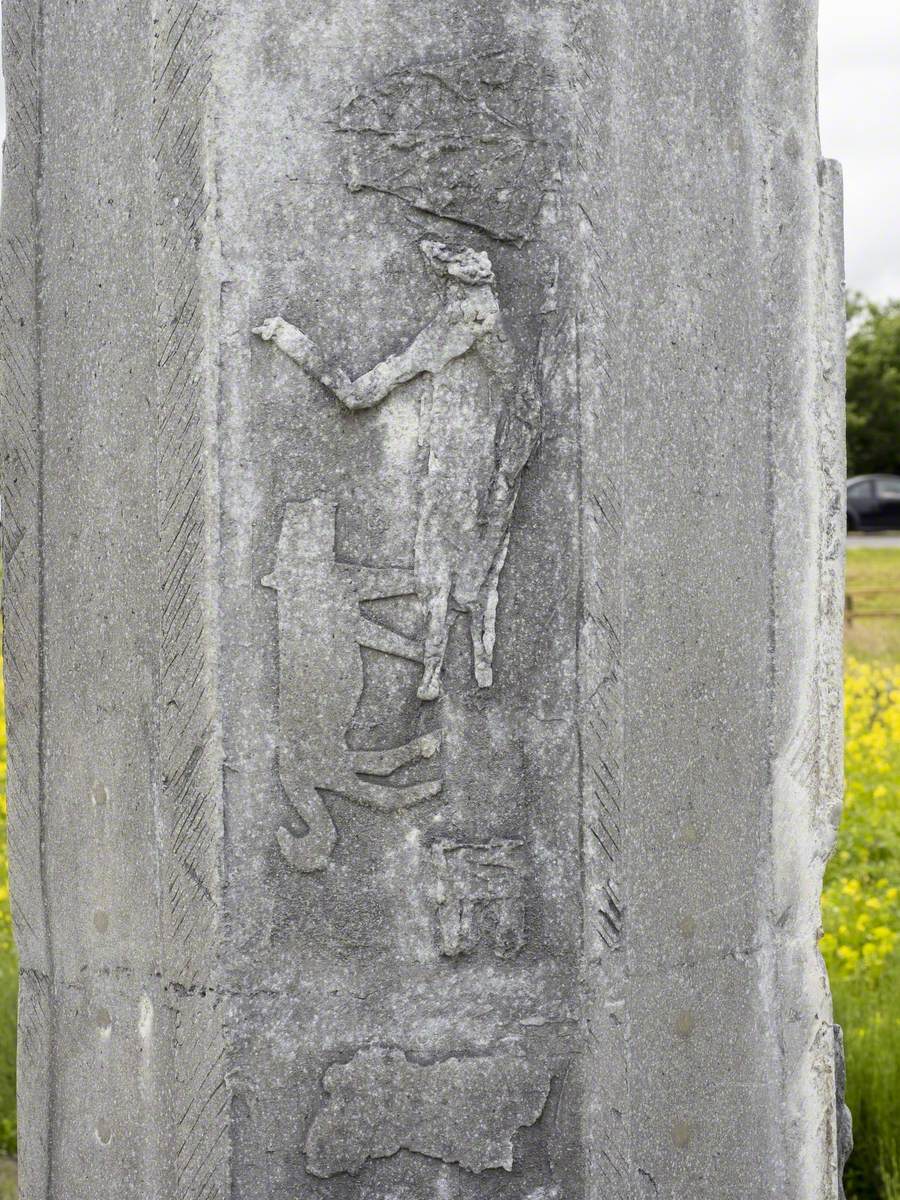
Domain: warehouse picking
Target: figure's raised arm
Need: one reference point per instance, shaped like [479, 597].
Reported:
[304, 351]
[439, 343]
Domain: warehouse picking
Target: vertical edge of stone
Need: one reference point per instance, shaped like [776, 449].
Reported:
[808, 764]
[831, 326]
[22, 584]
[833, 468]
[190, 754]
[812, 1115]
[831, 329]
[601, 615]
[800, 207]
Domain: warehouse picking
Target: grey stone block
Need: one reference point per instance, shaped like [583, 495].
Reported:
[422, 465]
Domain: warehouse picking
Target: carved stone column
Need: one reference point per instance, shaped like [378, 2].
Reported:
[422, 530]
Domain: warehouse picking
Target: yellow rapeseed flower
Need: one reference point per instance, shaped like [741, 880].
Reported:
[862, 883]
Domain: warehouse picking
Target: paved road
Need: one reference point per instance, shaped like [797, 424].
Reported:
[875, 541]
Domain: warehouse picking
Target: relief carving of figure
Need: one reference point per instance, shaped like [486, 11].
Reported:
[478, 427]
[320, 632]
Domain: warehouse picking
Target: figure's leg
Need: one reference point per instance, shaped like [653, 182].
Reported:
[437, 630]
[484, 619]
[484, 675]
[433, 581]
[385, 762]
[312, 851]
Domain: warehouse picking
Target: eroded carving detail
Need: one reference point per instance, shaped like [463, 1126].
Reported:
[320, 630]
[461, 1110]
[478, 429]
[480, 896]
[461, 139]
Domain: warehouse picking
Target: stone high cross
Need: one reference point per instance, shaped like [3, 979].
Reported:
[422, 525]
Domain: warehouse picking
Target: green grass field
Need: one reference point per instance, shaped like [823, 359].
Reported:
[873, 638]
[8, 1189]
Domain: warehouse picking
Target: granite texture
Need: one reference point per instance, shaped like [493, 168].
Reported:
[422, 465]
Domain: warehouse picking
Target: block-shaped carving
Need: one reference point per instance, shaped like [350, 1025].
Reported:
[480, 896]
[461, 1110]
[463, 139]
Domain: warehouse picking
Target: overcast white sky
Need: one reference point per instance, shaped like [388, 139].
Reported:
[859, 105]
[859, 101]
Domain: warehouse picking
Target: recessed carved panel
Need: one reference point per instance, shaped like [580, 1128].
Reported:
[427, 1039]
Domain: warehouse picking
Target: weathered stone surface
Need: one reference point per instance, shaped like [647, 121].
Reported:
[461, 138]
[422, 600]
[462, 1111]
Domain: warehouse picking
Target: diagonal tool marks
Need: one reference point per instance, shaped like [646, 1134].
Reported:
[188, 752]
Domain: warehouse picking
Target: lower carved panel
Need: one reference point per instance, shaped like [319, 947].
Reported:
[461, 1110]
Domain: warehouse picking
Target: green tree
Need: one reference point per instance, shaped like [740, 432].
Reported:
[873, 386]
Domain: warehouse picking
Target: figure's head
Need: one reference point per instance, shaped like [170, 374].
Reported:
[471, 267]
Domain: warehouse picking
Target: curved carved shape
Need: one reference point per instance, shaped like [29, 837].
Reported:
[320, 631]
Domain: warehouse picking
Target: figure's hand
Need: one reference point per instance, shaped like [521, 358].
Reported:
[270, 329]
[291, 340]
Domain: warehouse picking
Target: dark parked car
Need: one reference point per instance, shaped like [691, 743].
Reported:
[873, 502]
